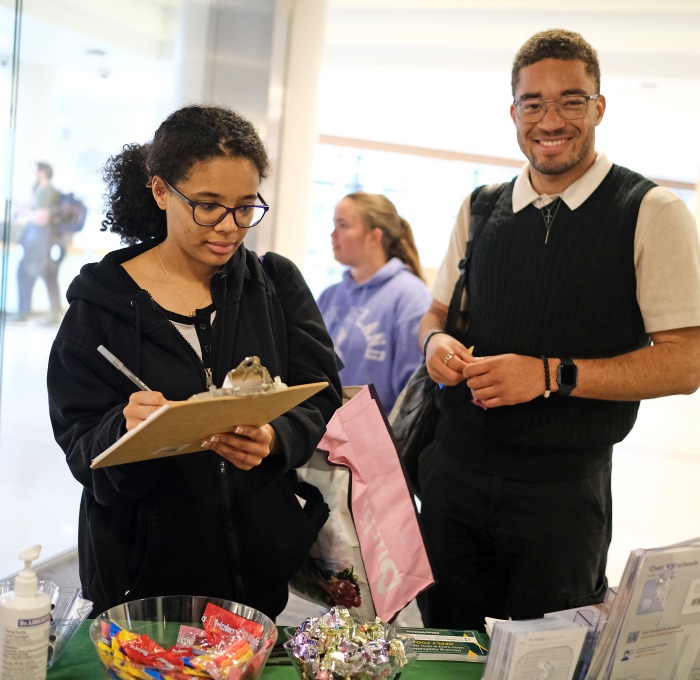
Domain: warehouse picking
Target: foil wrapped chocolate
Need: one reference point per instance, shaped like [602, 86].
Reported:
[336, 647]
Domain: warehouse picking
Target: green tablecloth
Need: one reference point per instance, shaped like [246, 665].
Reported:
[79, 661]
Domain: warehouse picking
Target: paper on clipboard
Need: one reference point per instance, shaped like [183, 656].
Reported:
[181, 426]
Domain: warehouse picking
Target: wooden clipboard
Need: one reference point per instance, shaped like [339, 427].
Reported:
[181, 426]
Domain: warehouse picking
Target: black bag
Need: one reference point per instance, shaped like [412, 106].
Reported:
[414, 417]
[413, 421]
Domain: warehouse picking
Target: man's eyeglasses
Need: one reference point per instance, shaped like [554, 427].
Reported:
[208, 214]
[569, 107]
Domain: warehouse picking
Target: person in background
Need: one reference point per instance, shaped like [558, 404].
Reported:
[60, 242]
[181, 305]
[373, 313]
[584, 297]
[36, 242]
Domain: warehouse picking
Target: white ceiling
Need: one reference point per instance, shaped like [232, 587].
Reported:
[437, 73]
[635, 38]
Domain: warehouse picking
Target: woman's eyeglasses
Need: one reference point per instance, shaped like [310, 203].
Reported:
[208, 214]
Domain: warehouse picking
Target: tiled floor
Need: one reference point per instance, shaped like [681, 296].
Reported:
[655, 478]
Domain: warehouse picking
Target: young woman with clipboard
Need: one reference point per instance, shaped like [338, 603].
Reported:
[183, 303]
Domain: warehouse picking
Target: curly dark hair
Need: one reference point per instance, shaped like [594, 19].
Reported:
[556, 43]
[189, 135]
[378, 212]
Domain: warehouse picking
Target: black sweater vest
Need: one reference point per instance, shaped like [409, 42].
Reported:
[574, 296]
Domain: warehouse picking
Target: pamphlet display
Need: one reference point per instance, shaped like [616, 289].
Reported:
[592, 618]
[653, 628]
[535, 648]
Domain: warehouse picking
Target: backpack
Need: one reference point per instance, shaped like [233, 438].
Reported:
[414, 417]
[69, 214]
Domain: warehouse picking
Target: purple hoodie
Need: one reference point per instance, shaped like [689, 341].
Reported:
[374, 327]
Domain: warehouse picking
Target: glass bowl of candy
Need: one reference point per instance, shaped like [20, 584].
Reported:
[337, 647]
[178, 637]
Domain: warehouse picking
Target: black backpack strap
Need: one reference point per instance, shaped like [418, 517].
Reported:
[270, 284]
[269, 281]
[483, 199]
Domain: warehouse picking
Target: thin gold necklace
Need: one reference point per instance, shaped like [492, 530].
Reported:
[190, 312]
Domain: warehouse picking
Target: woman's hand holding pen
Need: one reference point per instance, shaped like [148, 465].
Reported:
[246, 447]
[141, 405]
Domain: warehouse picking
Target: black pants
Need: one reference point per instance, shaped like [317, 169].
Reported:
[504, 548]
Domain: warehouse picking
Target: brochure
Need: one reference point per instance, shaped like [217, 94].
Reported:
[653, 630]
[536, 648]
[440, 644]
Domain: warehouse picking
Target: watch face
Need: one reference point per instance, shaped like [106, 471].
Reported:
[567, 375]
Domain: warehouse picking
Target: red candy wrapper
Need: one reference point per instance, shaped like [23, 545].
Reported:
[189, 636]
[145, 651]
[220, 624]
[181, 651]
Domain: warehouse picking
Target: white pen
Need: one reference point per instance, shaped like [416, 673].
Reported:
[120, 366]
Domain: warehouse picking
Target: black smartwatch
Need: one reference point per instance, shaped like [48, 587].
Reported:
[567, 373]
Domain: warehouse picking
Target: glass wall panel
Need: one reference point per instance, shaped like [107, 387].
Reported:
[8, 81]
[91, 77]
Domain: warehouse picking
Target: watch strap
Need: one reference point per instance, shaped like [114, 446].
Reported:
[565, 386]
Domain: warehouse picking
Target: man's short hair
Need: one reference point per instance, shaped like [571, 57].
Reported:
[556, 43]
[45, 168]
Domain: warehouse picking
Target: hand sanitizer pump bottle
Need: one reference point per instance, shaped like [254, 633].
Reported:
[25, 618]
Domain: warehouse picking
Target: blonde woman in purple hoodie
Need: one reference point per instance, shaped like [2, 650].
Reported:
[373, 313]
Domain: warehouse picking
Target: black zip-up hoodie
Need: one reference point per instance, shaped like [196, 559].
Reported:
[190, 524]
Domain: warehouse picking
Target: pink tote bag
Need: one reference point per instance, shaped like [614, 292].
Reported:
[370, 556]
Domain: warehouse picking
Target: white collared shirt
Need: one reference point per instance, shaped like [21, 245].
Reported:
[574, 195]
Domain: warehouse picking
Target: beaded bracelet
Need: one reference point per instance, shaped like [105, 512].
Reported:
[545, 361]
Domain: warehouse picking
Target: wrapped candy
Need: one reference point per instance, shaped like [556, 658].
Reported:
[336, 647]
[223, 650]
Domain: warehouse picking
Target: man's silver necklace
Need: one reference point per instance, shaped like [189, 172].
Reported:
[549, 213]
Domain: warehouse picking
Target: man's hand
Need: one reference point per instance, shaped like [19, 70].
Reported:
[446, 358]
[505, 379]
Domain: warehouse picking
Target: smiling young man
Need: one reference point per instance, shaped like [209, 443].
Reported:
[584, 297]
